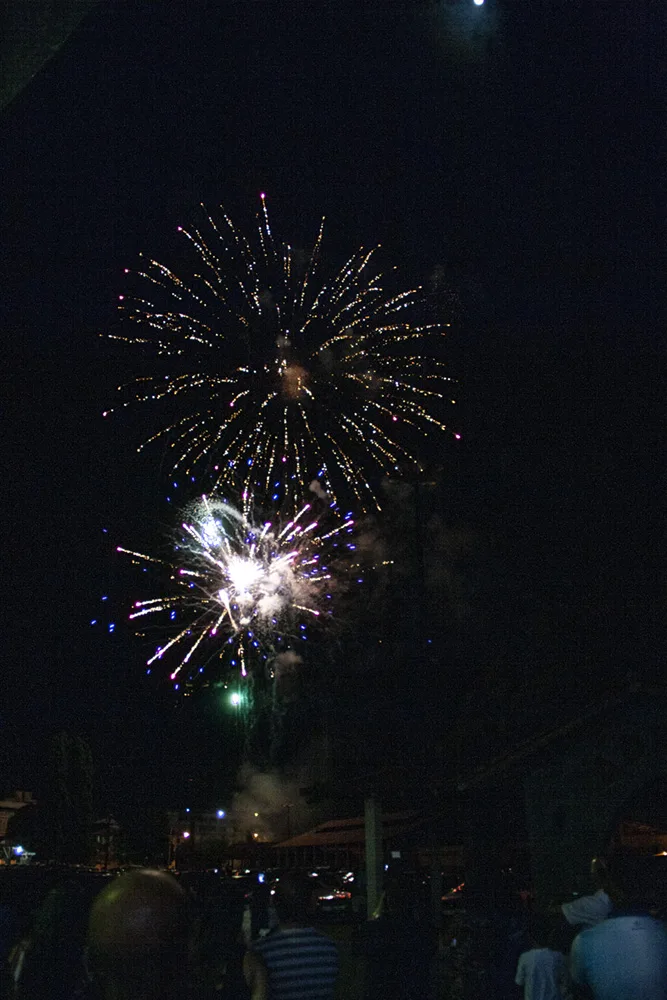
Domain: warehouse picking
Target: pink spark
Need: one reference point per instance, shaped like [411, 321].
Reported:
[458, 437]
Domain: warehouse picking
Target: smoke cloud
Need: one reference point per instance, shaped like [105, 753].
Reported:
[316, 488]
[269, 804]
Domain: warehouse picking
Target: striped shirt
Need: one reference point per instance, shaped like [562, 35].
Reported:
[302, 963]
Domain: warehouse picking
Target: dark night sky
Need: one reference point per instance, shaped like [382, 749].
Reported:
[517, 144]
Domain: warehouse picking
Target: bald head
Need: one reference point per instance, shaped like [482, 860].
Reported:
[137, 934]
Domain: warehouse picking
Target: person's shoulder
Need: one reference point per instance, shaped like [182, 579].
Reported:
[526, 958]
[319, 943]
[588, 934]
[588, 940]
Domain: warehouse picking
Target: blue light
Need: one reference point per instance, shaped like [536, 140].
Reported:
[18, 850]
[172, 615]
[478, 3]
[220, 814]
[105, 598]
[111, 627]
[94, 621]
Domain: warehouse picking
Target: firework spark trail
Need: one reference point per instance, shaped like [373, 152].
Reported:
[292, 379]
[240, 587]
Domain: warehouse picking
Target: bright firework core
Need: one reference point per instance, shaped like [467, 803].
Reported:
[263, 580]
[242, 589]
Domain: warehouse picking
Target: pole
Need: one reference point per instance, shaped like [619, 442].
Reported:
[435, 875]
[107, 846]
[374, 854]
